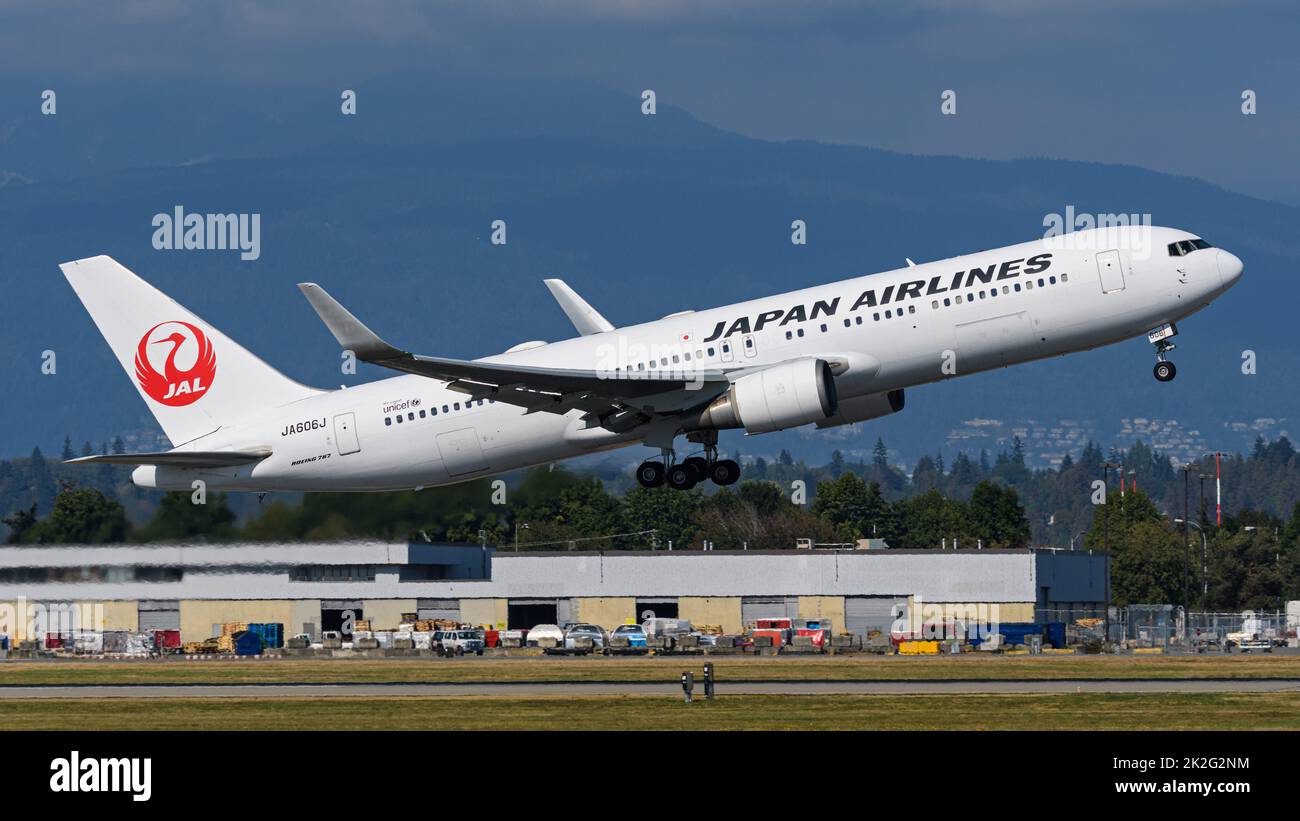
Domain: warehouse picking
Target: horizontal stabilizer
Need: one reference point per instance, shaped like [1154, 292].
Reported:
[179, 458]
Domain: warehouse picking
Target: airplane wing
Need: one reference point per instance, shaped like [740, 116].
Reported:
[584, 317]
[616, 399]
[178, 458]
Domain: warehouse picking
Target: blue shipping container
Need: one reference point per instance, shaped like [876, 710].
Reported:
[271, 633]
[1054, 634]
[1016, 632]
[248, 643]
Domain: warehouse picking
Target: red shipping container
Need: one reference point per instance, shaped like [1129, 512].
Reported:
[53, 641]
[167, 639]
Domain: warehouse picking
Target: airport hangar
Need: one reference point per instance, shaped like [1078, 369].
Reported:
[308, 587]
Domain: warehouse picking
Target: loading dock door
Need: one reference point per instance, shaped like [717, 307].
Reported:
[345, 433]
[337, 614]
[159, 615]
[864, 615]
[656, 609]
[444, 609]
[768, 607]
[525, 614]
[1108, 268]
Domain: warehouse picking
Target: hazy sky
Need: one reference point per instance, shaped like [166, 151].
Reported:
[1153, 83]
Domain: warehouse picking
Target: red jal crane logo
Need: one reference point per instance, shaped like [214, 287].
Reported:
[174, 386]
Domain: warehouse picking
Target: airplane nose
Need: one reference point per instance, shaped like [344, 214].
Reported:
[1230, 268]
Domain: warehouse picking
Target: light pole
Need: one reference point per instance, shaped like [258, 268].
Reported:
[517, 526]
[1105, 530]
[1200, 512]
[1187, 537]
[1075, 536]
[1205, 561]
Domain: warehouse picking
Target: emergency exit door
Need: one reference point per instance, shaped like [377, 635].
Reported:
[345, 433]
[1110, 269]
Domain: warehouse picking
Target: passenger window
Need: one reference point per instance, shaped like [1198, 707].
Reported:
[947, 302]
[981, 294]
[388, 421]
[889, 314]
[858, 319]
[1005, 290]
[1040, 283]
[421, 413]
[1017, 287]
[876, 317]
[1029, 286]
[411, 416]
[676, 359]
[800, 332]
[444, 409]
[399, 419]
[823, 327]
[456, 406]
[789, 335]
[433, 411]
[1052, 280]
[934, 304]
[847, 322]
[911, 309]
[687, 355]
[1065, 277]
[958, 299]
[710, 352]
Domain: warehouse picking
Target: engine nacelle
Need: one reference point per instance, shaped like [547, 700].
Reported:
[862, 408]
[775, 398]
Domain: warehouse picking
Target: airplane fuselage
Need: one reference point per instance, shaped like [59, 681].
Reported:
[907, 327]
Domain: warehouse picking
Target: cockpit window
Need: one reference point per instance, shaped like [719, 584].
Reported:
[1185, 247]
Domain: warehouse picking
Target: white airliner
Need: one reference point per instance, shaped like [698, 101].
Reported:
[829, 355]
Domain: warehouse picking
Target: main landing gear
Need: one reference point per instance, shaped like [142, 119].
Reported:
[1164, 369]
[689, 472]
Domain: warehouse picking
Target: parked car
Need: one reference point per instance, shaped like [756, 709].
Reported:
[634, 633]
[599, 638]
[544, 634]
[458, 642]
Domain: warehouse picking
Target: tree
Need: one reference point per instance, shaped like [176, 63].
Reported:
[928, 520]
[19, 523]
[67, 449]
[997, 516]
[178, 519]
[856, 509]
[81, 516]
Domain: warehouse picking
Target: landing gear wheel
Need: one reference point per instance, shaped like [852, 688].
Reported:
[724, 472]
[681, 477]
[650, 474]
[699, 465]
[1165, 371]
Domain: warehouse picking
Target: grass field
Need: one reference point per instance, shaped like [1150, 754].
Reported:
[633, 669]
[1087, 711]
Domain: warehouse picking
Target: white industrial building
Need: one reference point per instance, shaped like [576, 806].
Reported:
[310, 587]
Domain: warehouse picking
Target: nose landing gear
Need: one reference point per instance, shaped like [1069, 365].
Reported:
[1164, 369]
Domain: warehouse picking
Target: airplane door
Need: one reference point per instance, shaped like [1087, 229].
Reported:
[345, 433]
[461, 452]
[1110, 270]
[750, 348]
[727, 354]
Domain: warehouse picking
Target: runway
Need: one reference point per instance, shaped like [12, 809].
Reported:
[590, 688]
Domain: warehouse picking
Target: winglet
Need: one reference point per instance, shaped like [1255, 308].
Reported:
[351, 332]
[585, 318]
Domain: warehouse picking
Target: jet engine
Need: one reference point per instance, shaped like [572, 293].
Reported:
[782, 396]
[862, 408]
